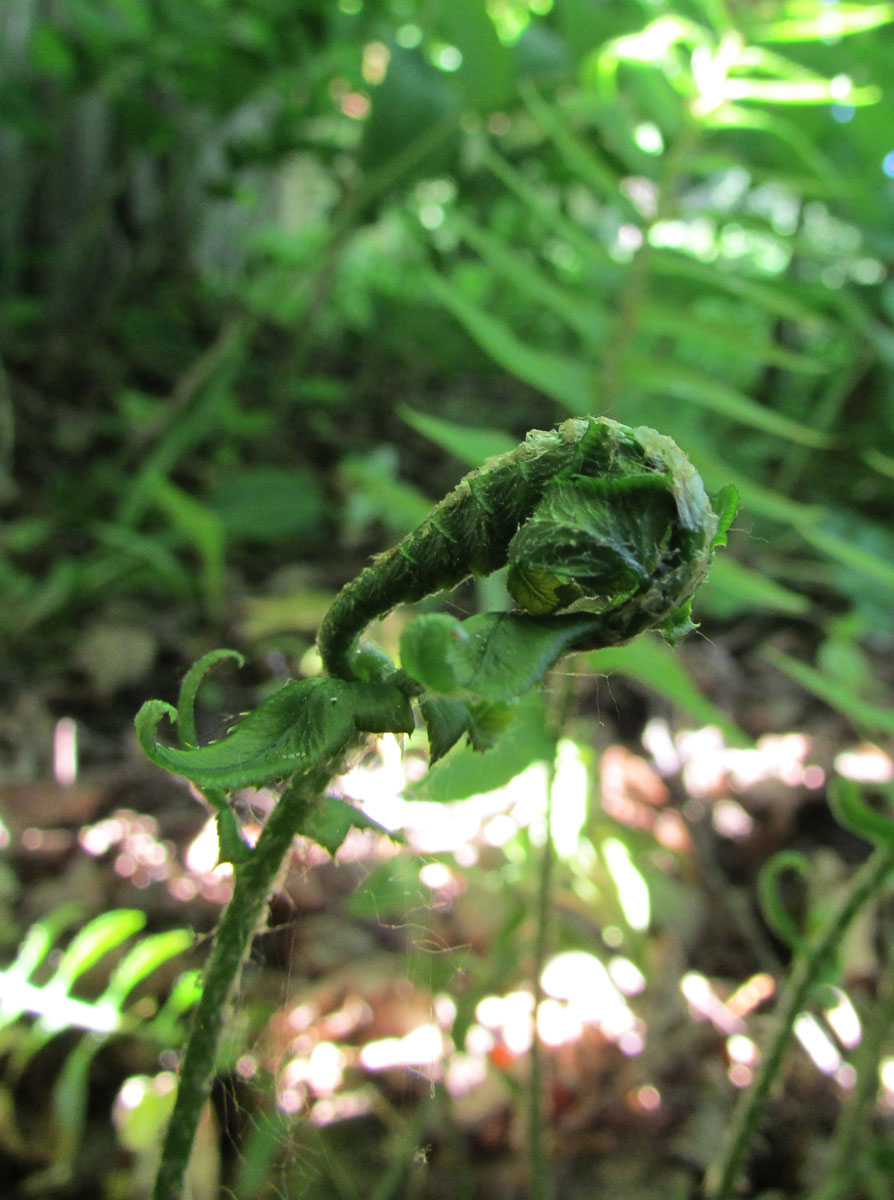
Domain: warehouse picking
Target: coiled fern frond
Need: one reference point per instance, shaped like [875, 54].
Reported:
[592, 516]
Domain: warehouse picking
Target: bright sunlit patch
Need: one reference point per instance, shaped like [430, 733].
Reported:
[511, 1016]
[569, 798]
[739, 1075]
[866, 764]
[867, 271]
[648, 1098]
[135, 1089]
[886, 1076]
[355, 105]
[840, 87]
[408, 36]
[422, 1047]
[632, 1043]
[710, 767]
[591, 998]
[731, 820]
[751, 994]
[741, 1049]
[644, 194]
[376, 56]
[444, 1009]
[203, 851]
[97, 839]
[431, 216]
[702, 752]
[657, 739]
[842, 1016]
[633, 891]
[65, 751]
[626, 976]
[464, 1073]
[325, 1068]
[346, 1106]
[648, 137]
[479, 1041]
[705, 1003]
[817, 1043]
[628, 240]
[291, 1100]
[435, 875]
[447, 58]
[846, 1077]
[499, 830]
[557, 1023]
[578, 976]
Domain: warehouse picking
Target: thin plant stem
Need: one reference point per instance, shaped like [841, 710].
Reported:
[636, 291]
[721, 1176]
[852, 1123]
[239, 922]
[539, 1176]
[540, 1181]
[409, 1150]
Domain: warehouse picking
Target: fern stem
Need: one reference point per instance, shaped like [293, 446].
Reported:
[541, 1183]
[242, 916]
[845, 1160]
[721, 1176]
[539, 1176]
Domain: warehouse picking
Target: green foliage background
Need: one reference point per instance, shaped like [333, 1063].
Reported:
[238, 236]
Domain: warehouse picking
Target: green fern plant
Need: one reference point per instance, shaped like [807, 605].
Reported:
[672, 236]
[37, 1006]
[609, 523]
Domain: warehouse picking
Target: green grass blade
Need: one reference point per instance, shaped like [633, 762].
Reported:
[469, 444]
[665, 379]
[865, 717]
[95, 940]
[654, 664]
[569, 382]
[141, 960]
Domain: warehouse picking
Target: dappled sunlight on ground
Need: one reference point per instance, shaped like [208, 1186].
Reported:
[428, 990]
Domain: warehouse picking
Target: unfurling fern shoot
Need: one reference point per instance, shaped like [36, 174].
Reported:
[594, 516]
[606, 530]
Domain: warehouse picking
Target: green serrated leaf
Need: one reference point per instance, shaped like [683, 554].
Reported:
[427, 651]
[466, 771]
[186, 700]
[494, 656]
[304, 725]
[446, 721]
[725, 504]
[331, 820]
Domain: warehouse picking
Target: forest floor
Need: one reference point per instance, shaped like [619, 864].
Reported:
[380, 1041]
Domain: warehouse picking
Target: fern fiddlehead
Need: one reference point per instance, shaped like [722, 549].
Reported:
[592, 516]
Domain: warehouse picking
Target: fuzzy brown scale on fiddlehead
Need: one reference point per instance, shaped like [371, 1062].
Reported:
[592, 512]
